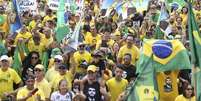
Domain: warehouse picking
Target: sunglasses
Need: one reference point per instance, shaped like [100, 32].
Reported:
[62, 68]
[34, 58]
[57, 61]
[4, 60]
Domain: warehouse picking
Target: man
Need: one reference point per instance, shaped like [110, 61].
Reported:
[128, 48]
[64, 73]
[82, 59]
[41, 83]
[29, 93]
[8, 77]
[129, 69]
[50, 74]
[117, 84]
[91, 88]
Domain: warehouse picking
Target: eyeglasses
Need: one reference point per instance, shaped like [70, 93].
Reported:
[34, 58]
[62, 68]
[57, 61]
[4, 60]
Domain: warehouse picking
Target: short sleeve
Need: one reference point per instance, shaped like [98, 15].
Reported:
[16, 77]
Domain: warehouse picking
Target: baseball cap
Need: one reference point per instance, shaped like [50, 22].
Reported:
[39, 66]
[4, 57]
[59, 57]
[91, 68]
[55, 51]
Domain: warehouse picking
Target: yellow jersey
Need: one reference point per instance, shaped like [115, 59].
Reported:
[25, 35]
[7, 78]
[167, 90]
[23, 92]
[91, 40]
[134, 51]
[78, 58]
[68, 77]
[50, 74]
[44, 86]
[116, 88]
[182, 98]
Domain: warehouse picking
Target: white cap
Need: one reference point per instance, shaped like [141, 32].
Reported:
[4, 57]
[59, 57]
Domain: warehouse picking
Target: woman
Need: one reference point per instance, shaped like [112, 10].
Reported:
[29, 63]
[188, 94]
[63, 94]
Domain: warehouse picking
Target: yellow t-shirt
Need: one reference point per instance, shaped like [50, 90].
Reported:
[26, 35]
[166, 91]
[46, 18]
[47, 41]
[44, 86]
[32, 25]
[91, 40]
[185, 18]
[134, 51]
[78, 58]
[109, 43]
[23, 92]
[115, 88]
[7, 79]
[182, 98]
[68, 77]
[50, 74]
[38, 48]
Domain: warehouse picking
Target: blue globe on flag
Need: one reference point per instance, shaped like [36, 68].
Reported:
[162, 49]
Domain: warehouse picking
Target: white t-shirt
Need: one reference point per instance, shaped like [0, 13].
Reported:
[56, 96]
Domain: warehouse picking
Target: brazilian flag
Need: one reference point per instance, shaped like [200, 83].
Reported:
[156, 56]
[195, 44]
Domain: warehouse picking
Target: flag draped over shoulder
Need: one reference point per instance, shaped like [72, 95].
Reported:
[156, 56]
[195, 44]
[61, 29]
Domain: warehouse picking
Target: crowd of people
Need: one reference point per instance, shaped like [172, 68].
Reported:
[103, 65]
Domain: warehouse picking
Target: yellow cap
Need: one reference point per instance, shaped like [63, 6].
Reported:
[91, 68]
[39, 66]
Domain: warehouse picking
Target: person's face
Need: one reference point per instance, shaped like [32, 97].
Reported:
[30, 83]
[179, 20]
[47, 33]
[116, 47]
[57, 62]
[62, 70]
[63, 86]
[5, 63]
[34, 59]
[129, 40]
[127, 59]
[91, 75]
[174, 30]
[189, 91]
[168, 81]
[184, 10]
[118, 73]
[38, 73]
[81, 48]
